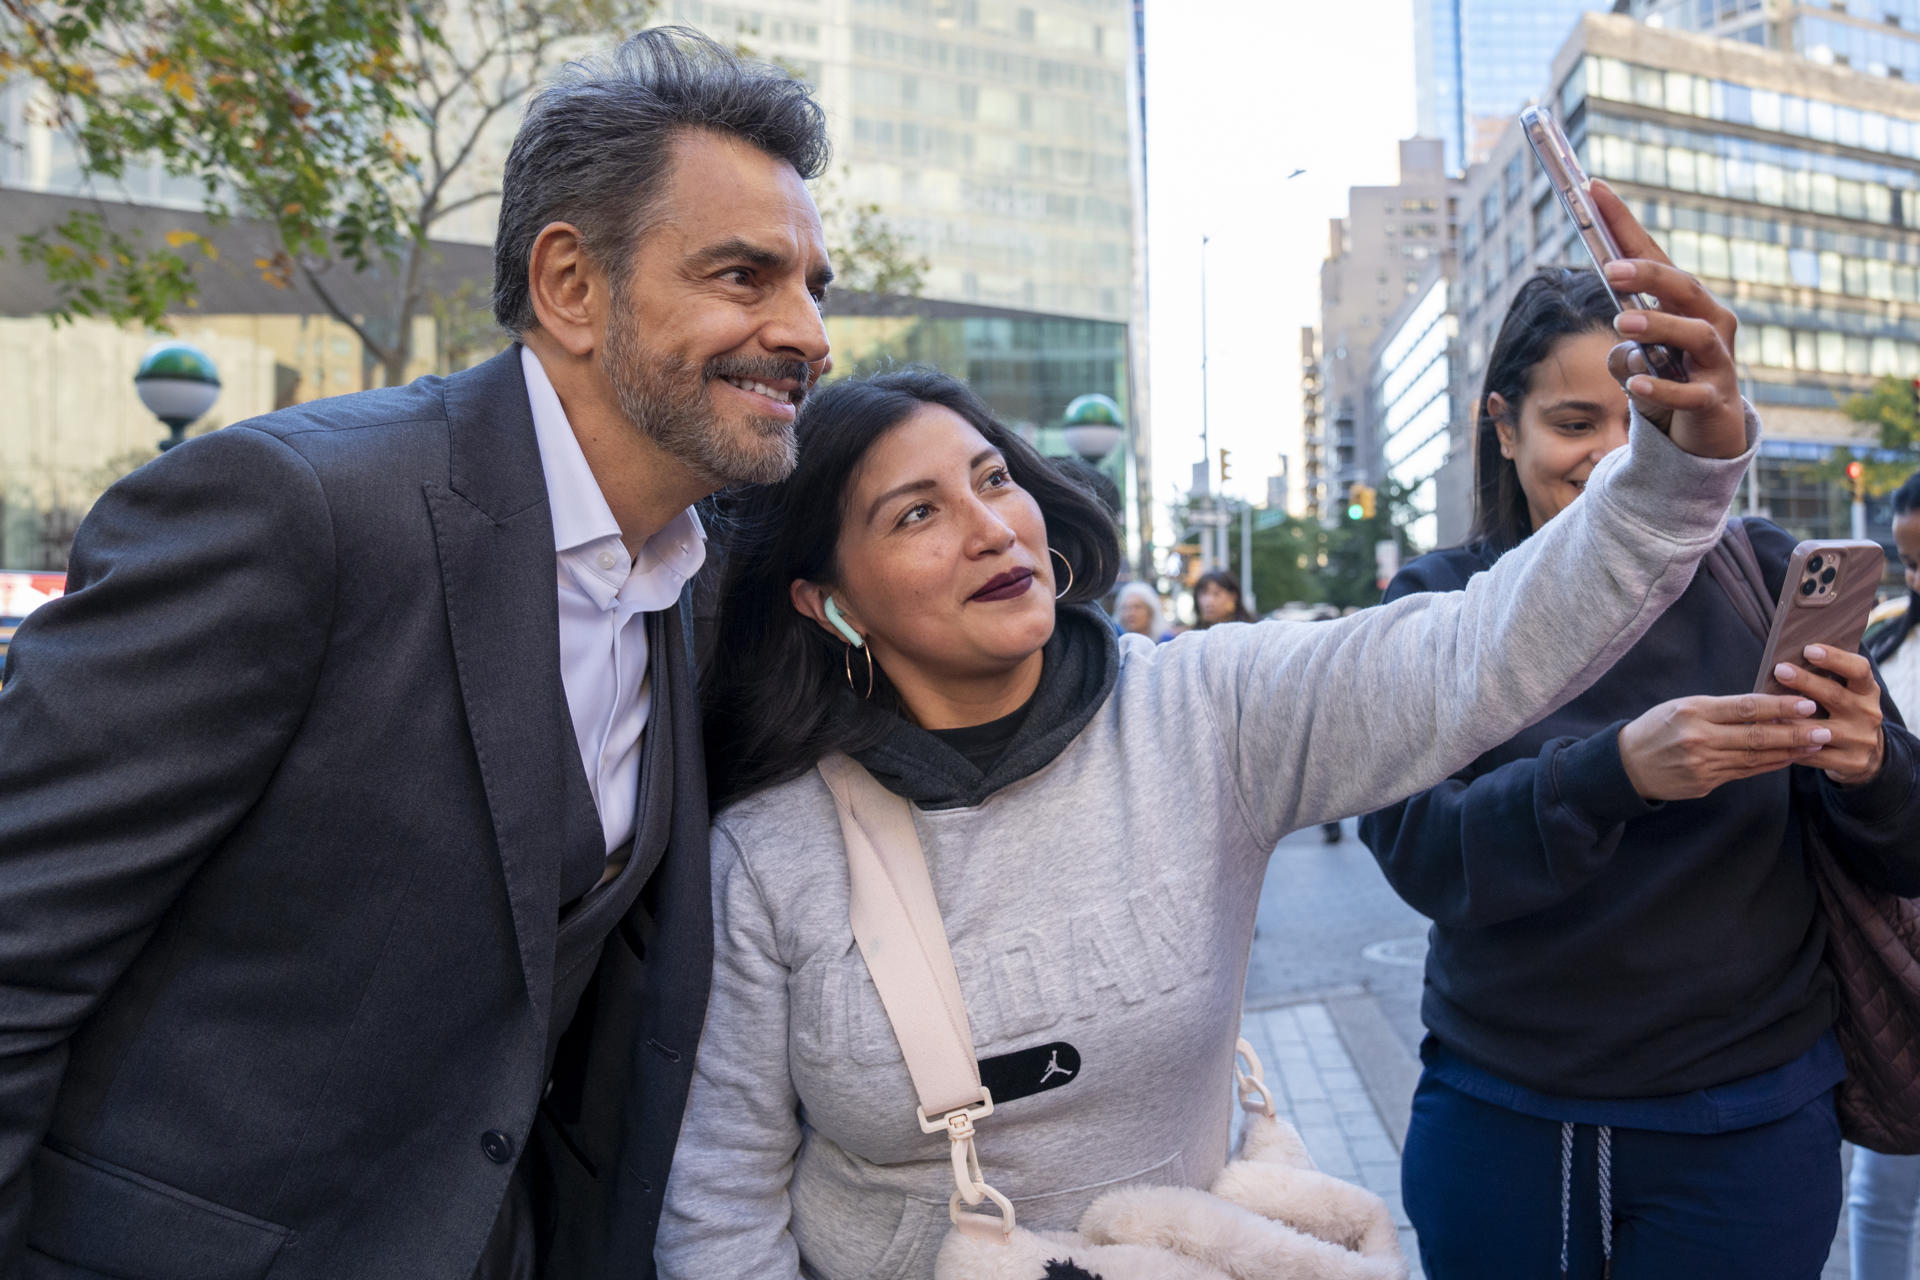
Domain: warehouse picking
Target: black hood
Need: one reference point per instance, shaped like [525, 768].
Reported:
[1079, 665]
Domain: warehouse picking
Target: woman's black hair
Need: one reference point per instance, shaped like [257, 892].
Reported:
[1906, 500]
[776, 695]
[1228, 583]
[1556, 303]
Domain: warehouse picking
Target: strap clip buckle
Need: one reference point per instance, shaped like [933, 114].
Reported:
[958, 1123]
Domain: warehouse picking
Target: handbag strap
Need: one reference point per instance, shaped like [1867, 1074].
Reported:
[1736, 567]
[896, 923]
[897, 926]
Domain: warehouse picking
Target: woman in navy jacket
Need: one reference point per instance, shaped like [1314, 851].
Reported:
[1630, 1057]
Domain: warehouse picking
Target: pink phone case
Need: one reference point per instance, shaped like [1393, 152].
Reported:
[1825, 600]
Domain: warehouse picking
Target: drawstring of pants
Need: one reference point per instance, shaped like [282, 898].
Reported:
[1605, 1171]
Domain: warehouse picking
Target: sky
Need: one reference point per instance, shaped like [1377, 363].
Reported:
[1240, 93]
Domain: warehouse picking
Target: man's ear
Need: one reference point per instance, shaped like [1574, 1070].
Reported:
[568, 290]
[1503, 424]
[810, 600]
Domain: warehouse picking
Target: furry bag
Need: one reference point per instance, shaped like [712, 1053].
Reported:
[1269, 1216]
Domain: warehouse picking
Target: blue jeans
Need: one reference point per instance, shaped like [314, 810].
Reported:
[1881, 1203]
[1482, 1188]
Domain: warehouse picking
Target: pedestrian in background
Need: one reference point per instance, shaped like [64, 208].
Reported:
[1630, 1061]
[1883, 1196]
[1139, 612]
[1217, 599]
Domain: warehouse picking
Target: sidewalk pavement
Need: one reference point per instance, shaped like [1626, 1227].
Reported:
[1316, 1086]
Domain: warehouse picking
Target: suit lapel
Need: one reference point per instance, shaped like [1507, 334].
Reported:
[497, 570]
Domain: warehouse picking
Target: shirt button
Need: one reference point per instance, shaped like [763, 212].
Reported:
[606, 559]
[497, 1146]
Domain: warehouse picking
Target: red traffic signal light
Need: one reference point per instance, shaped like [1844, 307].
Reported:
[1853, 471]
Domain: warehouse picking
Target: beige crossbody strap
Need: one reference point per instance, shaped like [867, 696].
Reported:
[896, 923]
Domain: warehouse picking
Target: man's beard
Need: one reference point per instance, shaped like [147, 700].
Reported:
[665, 399]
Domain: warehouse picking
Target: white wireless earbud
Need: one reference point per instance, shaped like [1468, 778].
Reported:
[844, 627]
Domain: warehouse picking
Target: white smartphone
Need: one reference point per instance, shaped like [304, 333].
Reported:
[1570, 182]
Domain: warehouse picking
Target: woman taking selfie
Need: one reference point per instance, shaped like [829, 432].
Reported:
[1096, 812]
[1629, 1061]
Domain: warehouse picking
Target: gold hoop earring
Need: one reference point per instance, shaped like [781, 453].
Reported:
[851, 686]
[1069, 566]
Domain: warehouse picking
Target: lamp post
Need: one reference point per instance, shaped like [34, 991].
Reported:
[1093, 426]
[178, 382]
[1213, 543]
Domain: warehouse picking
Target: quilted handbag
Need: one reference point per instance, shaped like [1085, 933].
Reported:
[1270, 1215]
[1873, 938]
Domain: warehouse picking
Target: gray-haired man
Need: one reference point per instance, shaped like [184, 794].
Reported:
[363, 753]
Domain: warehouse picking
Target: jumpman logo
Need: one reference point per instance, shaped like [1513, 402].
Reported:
[1054, 1068]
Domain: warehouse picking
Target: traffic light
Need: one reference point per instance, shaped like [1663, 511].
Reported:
[1224, 472]
[1189, 553]
[1361, 500]
[1858, 475]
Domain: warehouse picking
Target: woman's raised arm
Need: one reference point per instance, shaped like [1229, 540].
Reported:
[1322, 720]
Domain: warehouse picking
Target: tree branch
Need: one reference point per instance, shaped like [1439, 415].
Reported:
[453, 206]
[327, 300]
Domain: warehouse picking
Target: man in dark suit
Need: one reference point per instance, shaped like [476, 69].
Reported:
[363, 751]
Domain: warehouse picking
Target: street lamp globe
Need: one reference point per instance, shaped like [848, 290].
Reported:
[178, 382]
[1093, 426]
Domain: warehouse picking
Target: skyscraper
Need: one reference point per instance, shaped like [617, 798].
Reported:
[1878, 38]
[1479, 61]
[1377, 255]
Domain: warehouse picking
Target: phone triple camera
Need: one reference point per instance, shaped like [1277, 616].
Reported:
[1818, 578]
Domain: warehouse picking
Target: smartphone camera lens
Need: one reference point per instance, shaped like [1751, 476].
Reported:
[1827, 576]
[1813, 565]
[1808, 586]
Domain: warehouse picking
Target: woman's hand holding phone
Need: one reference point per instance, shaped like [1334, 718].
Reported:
[1682, 749]
[1704, 415]
[1858, 748]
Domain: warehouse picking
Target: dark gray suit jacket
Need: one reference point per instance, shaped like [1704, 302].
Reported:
[284, 861]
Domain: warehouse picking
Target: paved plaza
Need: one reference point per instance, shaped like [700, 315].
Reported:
[1316, 1086]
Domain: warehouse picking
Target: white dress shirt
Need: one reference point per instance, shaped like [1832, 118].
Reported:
[603, 592]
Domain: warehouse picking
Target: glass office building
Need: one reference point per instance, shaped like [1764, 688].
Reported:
[1791, 188]
[993, 134]
[1025, 366]
[1412, 398]
[1478, 61]
[1878, 37]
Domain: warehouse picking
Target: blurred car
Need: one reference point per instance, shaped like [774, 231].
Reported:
[20, 594]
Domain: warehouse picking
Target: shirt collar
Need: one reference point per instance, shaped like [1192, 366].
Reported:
[579, 510]
[581, 516]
